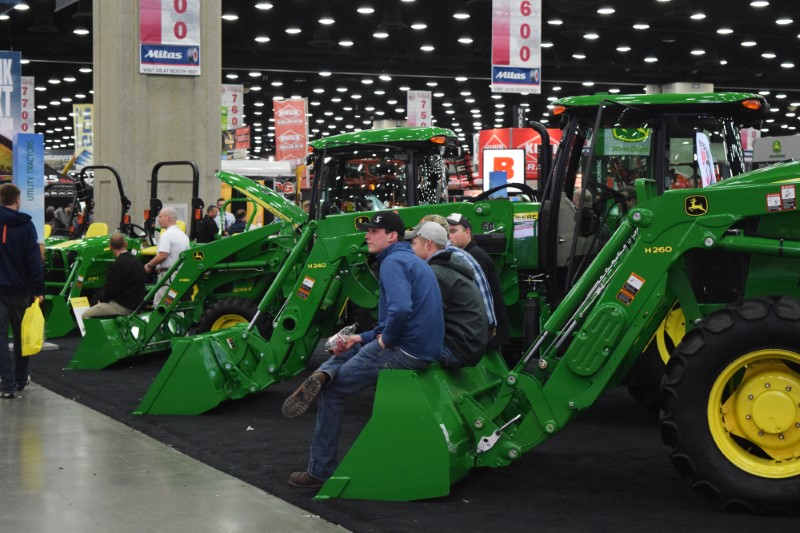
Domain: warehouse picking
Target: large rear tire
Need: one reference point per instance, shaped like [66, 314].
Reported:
[731, 406]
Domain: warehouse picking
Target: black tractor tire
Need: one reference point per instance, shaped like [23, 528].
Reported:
[644, 379]
[731, 406]
[224, 313]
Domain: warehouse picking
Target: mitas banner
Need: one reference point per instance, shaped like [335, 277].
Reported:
[291, 130]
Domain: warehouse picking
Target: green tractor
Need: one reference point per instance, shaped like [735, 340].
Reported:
[76, 259]
[219, 284]
[603, 278]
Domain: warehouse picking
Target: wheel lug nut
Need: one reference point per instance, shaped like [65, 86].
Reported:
[748, 417]
[749, 396]
[760, 433]
[766, 385]
[780, 436]
[788, 388]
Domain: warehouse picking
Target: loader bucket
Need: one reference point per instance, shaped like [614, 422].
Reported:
[418, 441]
[191, 382]
[58, 317]
[101, 346]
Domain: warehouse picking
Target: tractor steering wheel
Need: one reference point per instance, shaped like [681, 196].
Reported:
[525, 189]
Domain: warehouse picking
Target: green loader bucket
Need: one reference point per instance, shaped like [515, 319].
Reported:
[58, 317]
[419, 440]
[192, 382]
[101, 346]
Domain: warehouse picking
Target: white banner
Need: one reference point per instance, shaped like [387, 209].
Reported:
[419, 108]
[28, 105]
[84, 134]
[232, 103]
[516, 46]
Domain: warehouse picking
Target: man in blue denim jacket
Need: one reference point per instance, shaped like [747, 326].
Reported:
[409, 335]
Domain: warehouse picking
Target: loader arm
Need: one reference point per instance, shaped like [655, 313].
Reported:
[204, 370]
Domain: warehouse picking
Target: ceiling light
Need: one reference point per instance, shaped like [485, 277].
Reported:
[264, 5]
[293, 30]
[546, 44]
[697, 16]
[461, 79]
[380, 34]
[749, 43]
[769, 55]
[556, 88]
[262, 39]
[346, 43]
[431, 83]
[366, 10]
[254, 74]
[783, 21]
[385, 77]
[426, 48]
[232, 76]
[650, 59]
[723, 61]
[579, 55]
[605, 10]
[69, 79]
[318, 90]
[613, 90]
[230, 16]
[22, 6]
[697, 52]
[80, 30]
[591, 36]
[53, 81]
[405, 88]
[461, 15]
[780, 96]
[759, 3]
[341, 89]
[465, 40]
[725, 31]
[587, 83]
[787, 64]
[326, 20]
[641, 26]
[277, 83]
[85, 70]
[555, 22]
[419, 26]
[325, 73]
[623, 48]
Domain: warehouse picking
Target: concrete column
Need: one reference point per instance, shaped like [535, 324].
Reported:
[142, 119]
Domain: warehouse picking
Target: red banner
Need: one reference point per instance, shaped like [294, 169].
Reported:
[291, 130]
[525, 138]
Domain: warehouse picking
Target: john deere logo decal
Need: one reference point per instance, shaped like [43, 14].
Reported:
[776, 147]
[695, 205]
[631, 135]
[361, 220]
[197, 255]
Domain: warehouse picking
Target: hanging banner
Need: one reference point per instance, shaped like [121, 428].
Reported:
[291, 130]
[84, 136]
[232, 106]
[10, 90]
[705, 159]
[516, 46]
[419, 108]
[526, 138]
[27, 105]
[169, 37]
[29, 177]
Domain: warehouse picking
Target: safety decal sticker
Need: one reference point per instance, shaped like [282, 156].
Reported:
[79, 282]
[305, 288]
[628, 291]
[773, 202]
[695, 205]
[788, 197]
[170, 297]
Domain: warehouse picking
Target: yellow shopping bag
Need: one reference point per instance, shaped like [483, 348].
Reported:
[32, 329]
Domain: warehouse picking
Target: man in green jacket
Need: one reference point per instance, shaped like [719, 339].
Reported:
[466, 326]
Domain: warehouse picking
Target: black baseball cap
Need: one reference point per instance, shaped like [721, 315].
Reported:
[454, 219]
[386, 220]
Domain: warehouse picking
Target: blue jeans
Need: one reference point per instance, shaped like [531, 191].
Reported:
[13, 370]
[448, 359]
[350, 372]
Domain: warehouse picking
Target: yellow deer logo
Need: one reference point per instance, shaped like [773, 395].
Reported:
[695, 205]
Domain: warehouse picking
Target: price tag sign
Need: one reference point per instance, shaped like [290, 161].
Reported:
[516, 46]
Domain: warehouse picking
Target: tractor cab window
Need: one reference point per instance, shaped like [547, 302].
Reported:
[700, 152]
[374, 179]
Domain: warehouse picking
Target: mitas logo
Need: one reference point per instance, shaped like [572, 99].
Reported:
[162, 54]
[288, 112]
[508, 75]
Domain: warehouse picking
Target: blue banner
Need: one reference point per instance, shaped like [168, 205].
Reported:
[29, 177]
[10, 107]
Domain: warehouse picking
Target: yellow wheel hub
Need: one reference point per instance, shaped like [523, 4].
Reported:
[754, 413]
[227, 321]
[672, 327]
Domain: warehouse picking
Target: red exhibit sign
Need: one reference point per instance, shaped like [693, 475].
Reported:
[525, 138]
[291, 130]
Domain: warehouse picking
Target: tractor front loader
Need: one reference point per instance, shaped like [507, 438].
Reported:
[213, 285]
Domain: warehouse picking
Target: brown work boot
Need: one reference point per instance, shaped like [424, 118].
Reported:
[304, 480]
[300, 399]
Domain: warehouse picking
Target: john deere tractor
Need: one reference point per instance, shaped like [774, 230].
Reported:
[598, 278]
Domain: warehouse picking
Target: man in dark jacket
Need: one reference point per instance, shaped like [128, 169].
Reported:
[125, 288]
[461, 237]
[208, 226]
[466, 326]
[21, 279]
[239, 224]
[409, 336]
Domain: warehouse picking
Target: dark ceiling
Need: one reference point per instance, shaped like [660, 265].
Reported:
[683, 36]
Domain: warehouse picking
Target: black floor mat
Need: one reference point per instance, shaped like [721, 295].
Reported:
[607, 471]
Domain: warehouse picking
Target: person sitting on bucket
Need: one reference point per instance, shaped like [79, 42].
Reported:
[409, 335]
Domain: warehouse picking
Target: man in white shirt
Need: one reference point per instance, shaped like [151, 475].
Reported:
[170, 245]
[227, 217]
